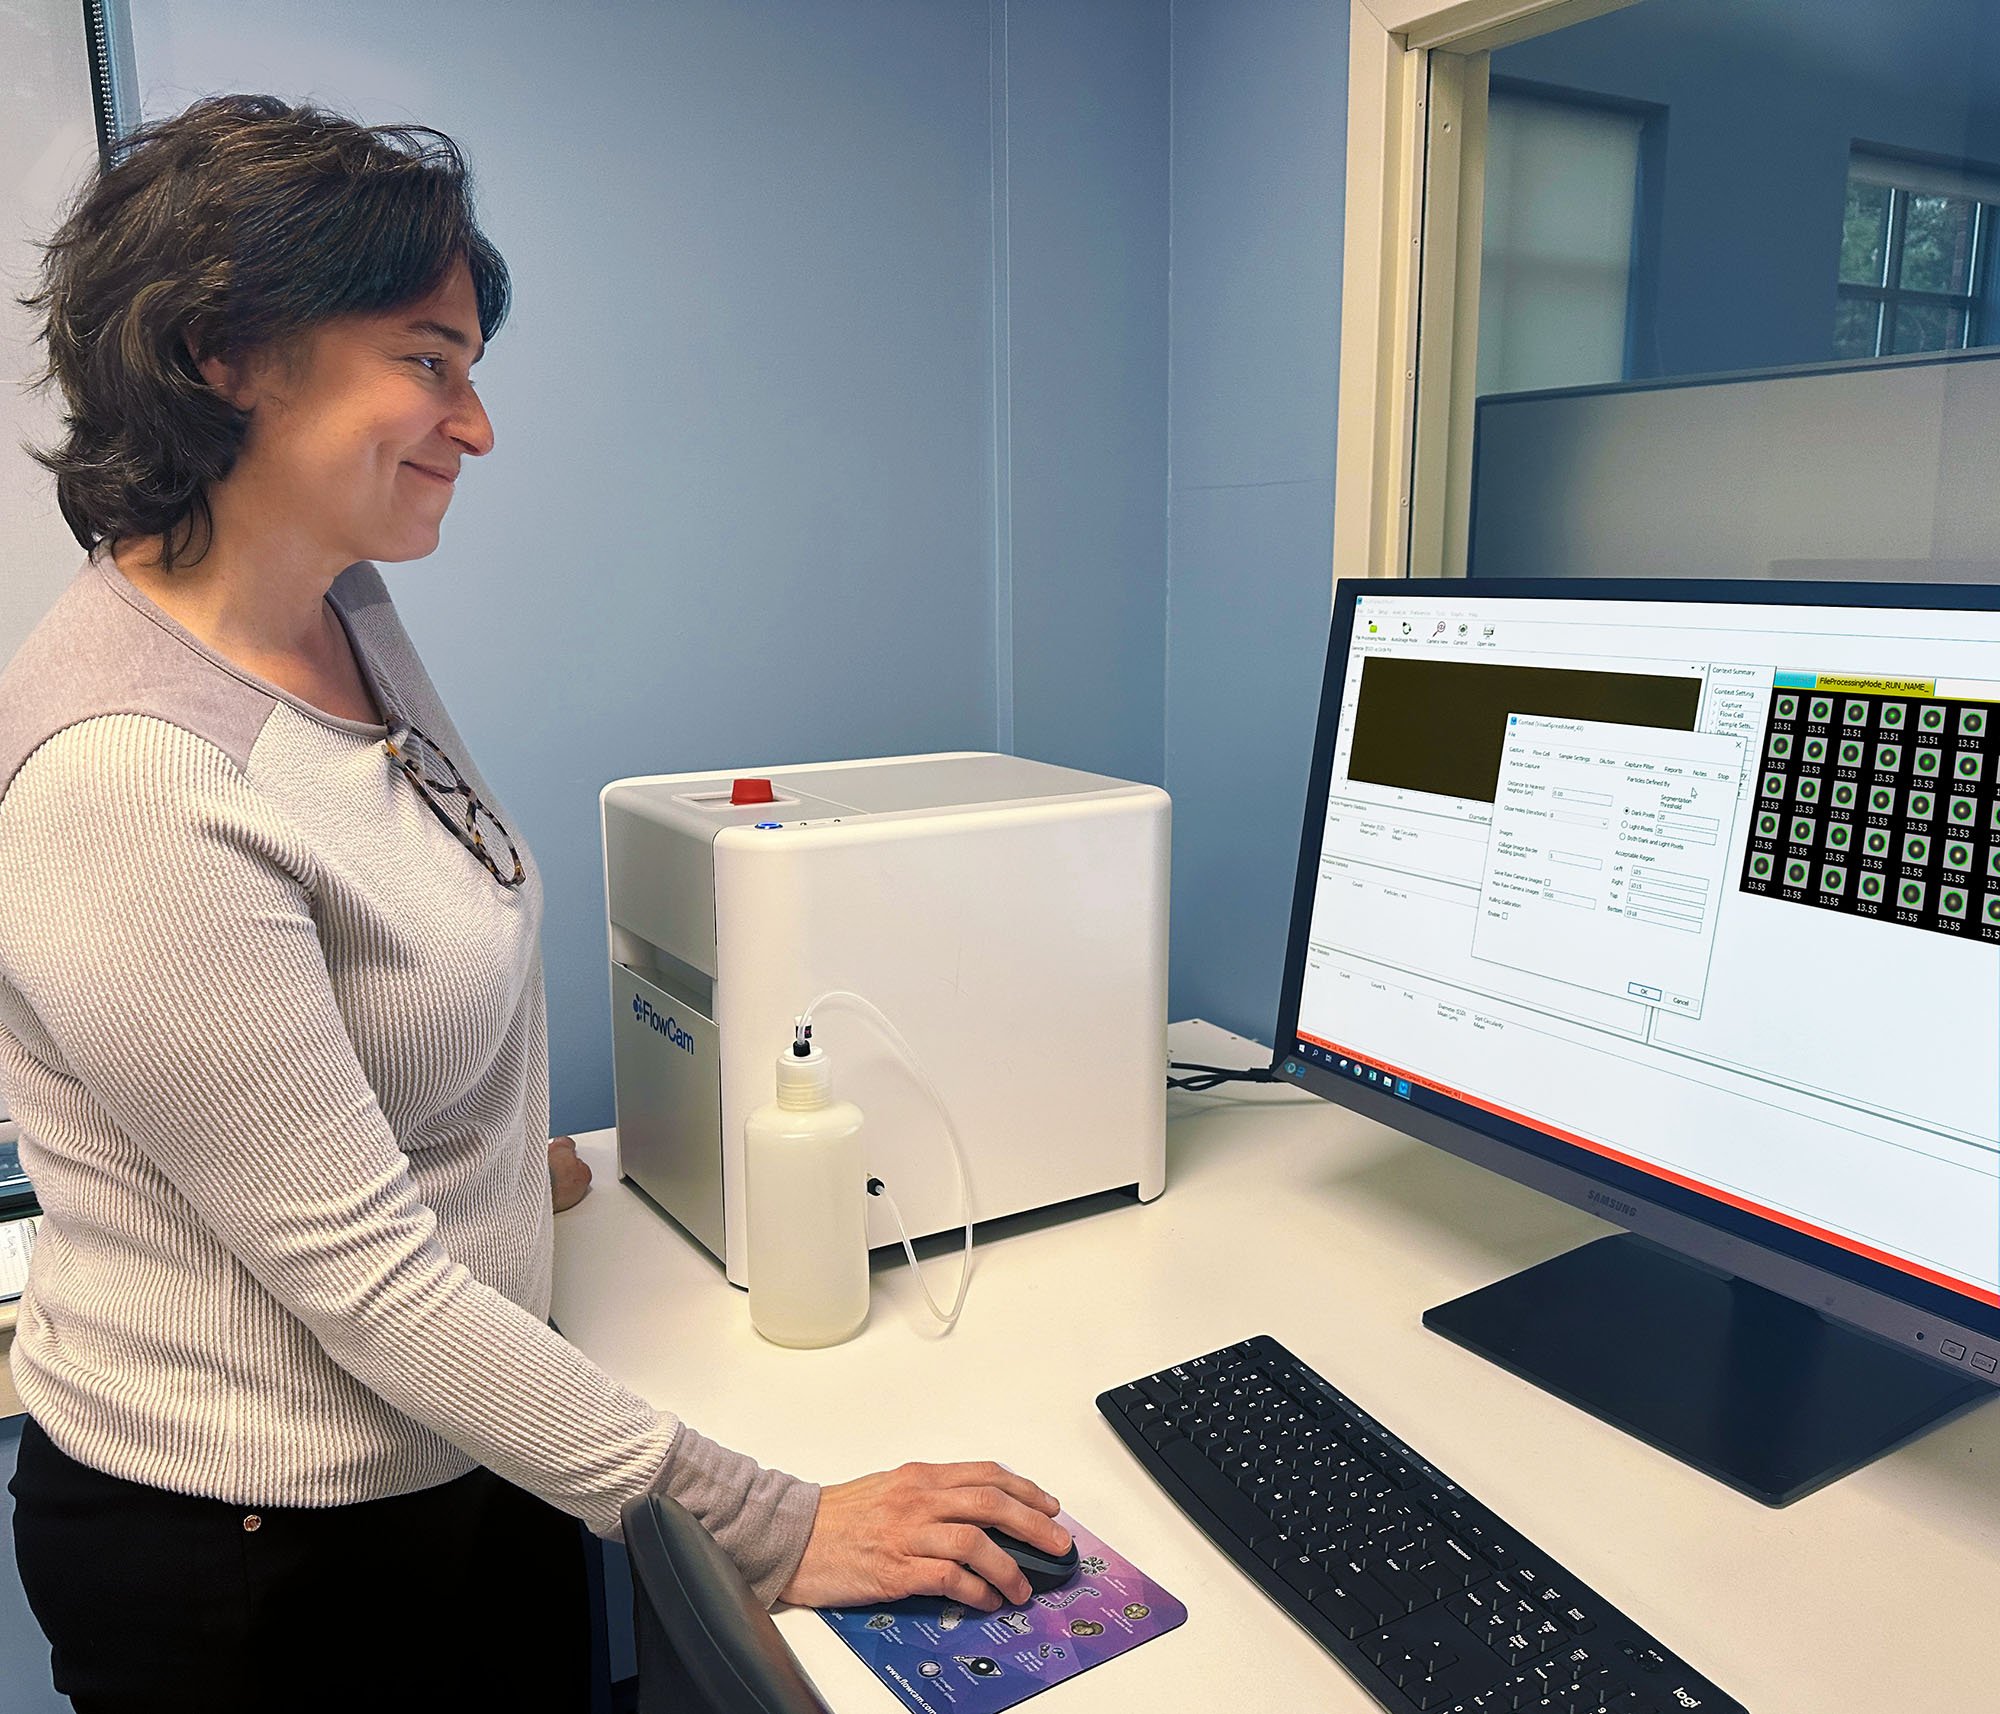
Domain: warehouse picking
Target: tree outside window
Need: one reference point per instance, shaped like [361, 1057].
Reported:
[1915, 255]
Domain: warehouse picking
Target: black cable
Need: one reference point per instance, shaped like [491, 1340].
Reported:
[1214, 1075]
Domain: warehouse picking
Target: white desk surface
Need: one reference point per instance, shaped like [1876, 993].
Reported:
[1288, 1216]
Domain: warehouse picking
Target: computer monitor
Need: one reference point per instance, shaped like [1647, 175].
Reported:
[1680, 901]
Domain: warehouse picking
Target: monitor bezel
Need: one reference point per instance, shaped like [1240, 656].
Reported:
[1901, 1308]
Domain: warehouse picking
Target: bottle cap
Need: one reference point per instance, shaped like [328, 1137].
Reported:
[804, 1080]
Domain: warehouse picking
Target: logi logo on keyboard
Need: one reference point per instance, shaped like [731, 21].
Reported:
[1684, 1699]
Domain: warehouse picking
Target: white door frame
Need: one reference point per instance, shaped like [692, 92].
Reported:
[1386, 499]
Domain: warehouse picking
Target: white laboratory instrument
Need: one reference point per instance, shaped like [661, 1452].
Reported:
[1009, 917]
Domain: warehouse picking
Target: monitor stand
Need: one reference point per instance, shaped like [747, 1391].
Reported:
[1754, 1389]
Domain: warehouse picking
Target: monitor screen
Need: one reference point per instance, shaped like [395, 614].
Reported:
[1690, 889]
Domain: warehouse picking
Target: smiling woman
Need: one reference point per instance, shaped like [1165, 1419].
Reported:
[271, 1005]
[236, 229]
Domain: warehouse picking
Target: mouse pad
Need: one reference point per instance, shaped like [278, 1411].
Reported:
[943, 1658]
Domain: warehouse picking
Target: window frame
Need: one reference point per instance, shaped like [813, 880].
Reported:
[1415, 198]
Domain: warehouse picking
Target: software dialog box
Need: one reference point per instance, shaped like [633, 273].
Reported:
[1607, 856]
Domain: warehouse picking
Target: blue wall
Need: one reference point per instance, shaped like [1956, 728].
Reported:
[1259, 129]
[1764, 101]
[1086, 249]
[819, 307]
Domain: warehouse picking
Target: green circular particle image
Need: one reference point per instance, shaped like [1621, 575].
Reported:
[1857, 714]
[1760, 865]
[1822, 708]
[1871, 886]
[1958, 856]
[1767, 826]
[1892, 714]
[1967, 766]
[1883, 799]
[1961, 809]
[1788, 708]
[1850, 754]
[1933, 718]
[1796, 873]
[1927, 761]
[1913, 892]
[1971, 720]
[1920, 806]
[1954, 903]
[1843, 794]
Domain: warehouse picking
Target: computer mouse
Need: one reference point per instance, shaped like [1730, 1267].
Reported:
[1044, 1571]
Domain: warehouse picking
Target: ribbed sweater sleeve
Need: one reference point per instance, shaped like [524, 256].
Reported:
[179, 973]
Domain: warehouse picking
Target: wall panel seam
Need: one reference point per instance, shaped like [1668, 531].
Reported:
[1001, 362]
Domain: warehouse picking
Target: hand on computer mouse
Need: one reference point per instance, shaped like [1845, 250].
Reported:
[921, 1529]
[1044, 1571]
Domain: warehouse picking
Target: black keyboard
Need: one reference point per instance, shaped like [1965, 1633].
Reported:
[1426, 1597]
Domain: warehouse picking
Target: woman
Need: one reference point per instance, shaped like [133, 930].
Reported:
[271, 1009]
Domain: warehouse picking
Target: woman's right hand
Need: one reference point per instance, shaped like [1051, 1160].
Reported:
[916, 1530]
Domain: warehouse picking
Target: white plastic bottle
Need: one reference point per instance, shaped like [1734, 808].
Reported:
[808, 1214]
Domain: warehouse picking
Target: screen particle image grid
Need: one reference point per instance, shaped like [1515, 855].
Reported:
[1881, 804]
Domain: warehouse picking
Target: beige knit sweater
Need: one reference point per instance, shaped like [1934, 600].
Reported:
[277, 1046]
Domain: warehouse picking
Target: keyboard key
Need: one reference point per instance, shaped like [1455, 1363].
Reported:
[1343, 1612]
[1469, 1607]
[1302, 1571]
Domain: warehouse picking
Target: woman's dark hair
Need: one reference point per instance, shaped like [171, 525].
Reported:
[230, 229]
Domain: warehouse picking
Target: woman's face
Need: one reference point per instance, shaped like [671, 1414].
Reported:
[355, 442]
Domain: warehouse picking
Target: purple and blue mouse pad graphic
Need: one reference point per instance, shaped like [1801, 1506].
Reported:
[943, 1658]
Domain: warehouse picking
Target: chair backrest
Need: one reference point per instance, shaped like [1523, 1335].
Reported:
[705, 1644]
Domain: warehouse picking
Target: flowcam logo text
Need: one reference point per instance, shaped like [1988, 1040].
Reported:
[642, 1010]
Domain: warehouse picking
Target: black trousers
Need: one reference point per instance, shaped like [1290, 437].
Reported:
[470, 1596]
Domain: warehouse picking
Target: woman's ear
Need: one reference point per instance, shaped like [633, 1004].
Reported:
[233, 378]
